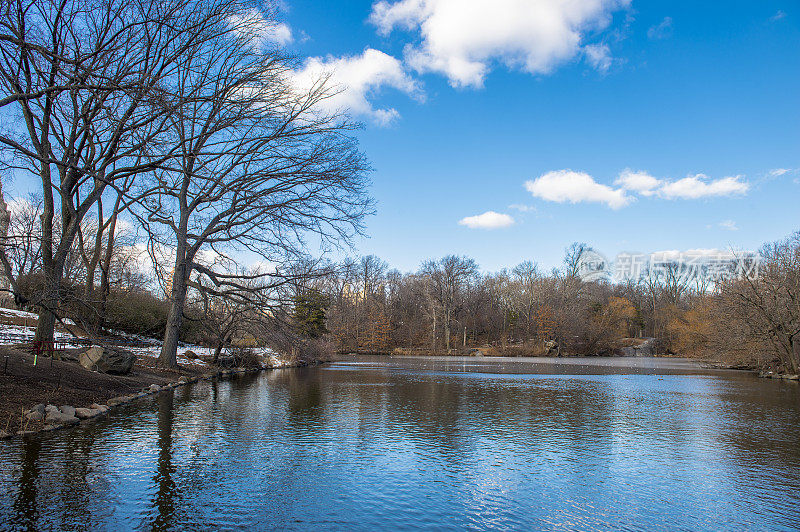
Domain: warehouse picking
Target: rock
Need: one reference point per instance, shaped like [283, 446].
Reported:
[154, 388]
[115, 401]
[183, 379]
[34, 416]
[102, 408]
[191, 355]
[645, 349]
[107, 360]
[36, 413]
[68, 410]
[56, 417]
[86, 413]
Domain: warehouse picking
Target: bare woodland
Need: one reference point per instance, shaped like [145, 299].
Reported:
[177, 116]
[185, 183]
[449, 306]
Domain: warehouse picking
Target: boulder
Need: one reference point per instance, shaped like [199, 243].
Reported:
[86, 413]
[56, 417]
[36, 413]
[114, 401]
[34, 416]
[645, 348]
[102, 408]
[106, 360]
[154, 388]
[68, 410]
[191, 355]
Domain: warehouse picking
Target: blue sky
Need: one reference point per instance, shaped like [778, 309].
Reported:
[676, 89]
[629, 125]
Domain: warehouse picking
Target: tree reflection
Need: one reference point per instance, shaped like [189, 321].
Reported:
[25, 512]
[167, 490]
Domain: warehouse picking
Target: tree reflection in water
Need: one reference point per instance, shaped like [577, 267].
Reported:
[164, 503]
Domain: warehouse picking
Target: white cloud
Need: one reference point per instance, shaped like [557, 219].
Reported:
[260, 30]
[728, 225]
[463, 38]
[575, 187]
[777, 16]
[777, 172]
[637, 181]
[661, 30]
[522, 208]
[356, 79]
[487, 220]
[700, 186]
[598, 56]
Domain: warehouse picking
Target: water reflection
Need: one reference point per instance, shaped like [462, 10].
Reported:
[24, 511]
[164, 503]
[376, 443]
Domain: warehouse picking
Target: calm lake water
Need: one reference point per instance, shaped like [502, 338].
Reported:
[364, 443]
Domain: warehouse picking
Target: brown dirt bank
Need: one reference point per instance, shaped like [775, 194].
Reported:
[66, 383]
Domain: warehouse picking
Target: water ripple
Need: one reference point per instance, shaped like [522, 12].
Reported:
[410, 445]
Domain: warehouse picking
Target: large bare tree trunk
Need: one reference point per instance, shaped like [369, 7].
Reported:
[169, 350]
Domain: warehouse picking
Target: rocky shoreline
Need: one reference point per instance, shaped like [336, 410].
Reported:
[61, 417]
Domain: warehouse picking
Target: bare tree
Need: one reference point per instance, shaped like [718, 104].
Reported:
[769, 304]
[446, 278]
[82, 77]
[258, 168]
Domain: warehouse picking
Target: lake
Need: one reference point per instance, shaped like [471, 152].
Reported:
[410, 443]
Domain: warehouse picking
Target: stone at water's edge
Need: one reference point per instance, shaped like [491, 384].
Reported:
[106, 360]
[56, 416]
[115, 401]
[86, 413]
[36, 413]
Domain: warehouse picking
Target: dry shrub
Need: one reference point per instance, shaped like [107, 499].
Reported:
[314, 351]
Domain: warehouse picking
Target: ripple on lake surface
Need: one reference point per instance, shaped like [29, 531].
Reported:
[410, 443]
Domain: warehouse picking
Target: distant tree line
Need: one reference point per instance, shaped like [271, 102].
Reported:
[448, 305]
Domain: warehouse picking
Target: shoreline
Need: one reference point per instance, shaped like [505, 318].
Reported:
[653, 362]
[580, 365]
[57, 394]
